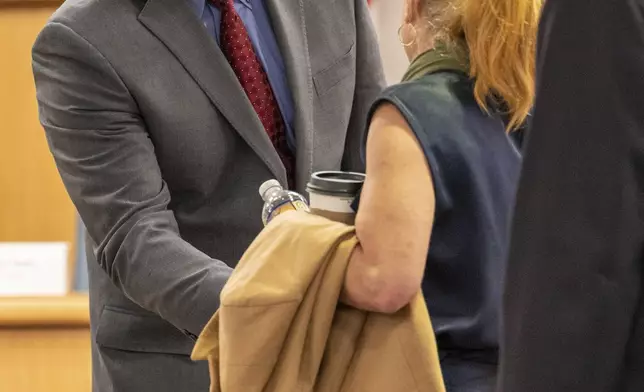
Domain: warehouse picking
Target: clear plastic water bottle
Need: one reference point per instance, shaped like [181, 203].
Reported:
[278, 200]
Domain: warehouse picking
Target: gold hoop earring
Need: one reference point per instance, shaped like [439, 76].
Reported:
[401, 38]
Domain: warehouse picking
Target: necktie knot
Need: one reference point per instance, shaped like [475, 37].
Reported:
[223, 4]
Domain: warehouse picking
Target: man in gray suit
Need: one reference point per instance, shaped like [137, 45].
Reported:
[162, 145]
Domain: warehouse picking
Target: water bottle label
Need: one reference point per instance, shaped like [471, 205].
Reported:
[295, 205]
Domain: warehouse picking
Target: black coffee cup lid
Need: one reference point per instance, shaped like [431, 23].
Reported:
[336, 182]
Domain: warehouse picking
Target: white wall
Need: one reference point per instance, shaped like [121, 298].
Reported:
[387, 16]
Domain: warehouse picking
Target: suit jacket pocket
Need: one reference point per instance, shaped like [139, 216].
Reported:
[332, 75]
[125, 330]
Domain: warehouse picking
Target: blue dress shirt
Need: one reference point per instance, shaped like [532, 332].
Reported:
[255, 18]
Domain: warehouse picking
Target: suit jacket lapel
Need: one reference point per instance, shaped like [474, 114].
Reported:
[172, 22]
[288, 22]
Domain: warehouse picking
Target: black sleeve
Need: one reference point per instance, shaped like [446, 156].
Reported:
[573, 296]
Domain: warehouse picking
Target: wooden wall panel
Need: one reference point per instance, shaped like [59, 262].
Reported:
[33, 203]
[45, 345]
[45, 359]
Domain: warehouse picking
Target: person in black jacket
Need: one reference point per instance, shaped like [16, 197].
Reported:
[574, 309]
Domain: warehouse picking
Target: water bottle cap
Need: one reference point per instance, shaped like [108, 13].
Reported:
[268, 185]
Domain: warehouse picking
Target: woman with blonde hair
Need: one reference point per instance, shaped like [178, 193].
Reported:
[441, 176]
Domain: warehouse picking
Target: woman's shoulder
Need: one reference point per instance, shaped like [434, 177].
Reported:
[440, 86]
[436, 97]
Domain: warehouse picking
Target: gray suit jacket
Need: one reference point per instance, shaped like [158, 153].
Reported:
[162, 154]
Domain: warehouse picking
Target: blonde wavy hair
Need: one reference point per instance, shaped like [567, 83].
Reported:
[500, 36]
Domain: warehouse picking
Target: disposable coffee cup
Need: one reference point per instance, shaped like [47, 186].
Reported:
[331, 194]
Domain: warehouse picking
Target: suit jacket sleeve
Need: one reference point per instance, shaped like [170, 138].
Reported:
[107, 162]
[573, 294]
[370, 82]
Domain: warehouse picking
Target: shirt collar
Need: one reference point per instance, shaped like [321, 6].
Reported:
[198, 6]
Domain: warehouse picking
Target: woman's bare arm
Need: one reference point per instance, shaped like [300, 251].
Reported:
[395, 218]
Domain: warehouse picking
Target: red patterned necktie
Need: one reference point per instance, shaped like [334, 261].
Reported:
[236, 45]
